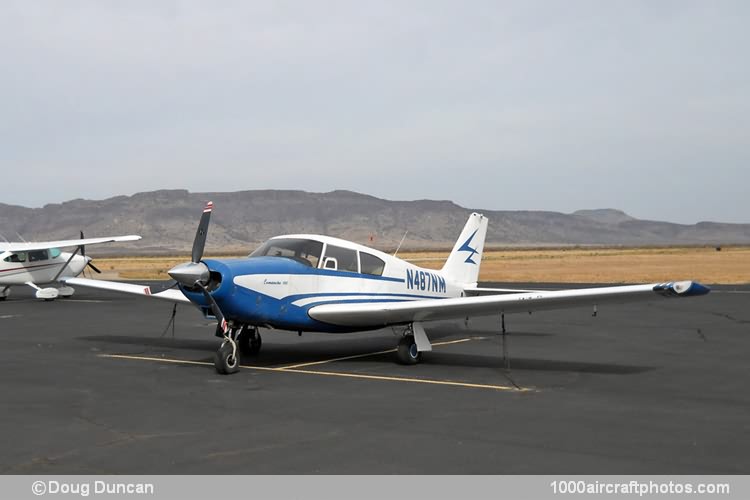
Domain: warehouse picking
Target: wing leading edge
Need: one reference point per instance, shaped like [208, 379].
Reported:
[383, 314]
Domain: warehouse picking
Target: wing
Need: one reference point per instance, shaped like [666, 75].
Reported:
[473, 291]
[18, 246]
[142, 290]
[383, 314]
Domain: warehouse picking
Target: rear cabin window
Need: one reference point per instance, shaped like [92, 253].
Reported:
[371, 264]
[346, 258]
[37, 255]
[305, 251]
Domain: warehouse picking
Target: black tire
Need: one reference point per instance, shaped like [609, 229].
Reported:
[224, 362]
[249, 343]
[407, 353]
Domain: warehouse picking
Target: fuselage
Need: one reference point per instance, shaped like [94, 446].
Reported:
[39, 267]
[277, 284]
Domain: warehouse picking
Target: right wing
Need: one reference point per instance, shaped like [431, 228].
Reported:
[370, 314]
[474, 291]
[142, 290]
[23, 246]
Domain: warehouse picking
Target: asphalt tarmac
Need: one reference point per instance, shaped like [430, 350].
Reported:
[94, 384]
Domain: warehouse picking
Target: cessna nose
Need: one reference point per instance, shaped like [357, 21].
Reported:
[92, 266]
[190, 273]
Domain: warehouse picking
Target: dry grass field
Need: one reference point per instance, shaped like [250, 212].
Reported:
[731, 265]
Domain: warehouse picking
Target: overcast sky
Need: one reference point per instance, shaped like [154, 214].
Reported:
[641, 106]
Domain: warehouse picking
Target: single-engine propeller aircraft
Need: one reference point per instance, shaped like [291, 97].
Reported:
[43, 263]
[305, 282]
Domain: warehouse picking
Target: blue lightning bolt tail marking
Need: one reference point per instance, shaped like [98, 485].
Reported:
[466, 248]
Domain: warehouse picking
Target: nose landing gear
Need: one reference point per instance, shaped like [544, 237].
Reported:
[244, 340]
[227, 359]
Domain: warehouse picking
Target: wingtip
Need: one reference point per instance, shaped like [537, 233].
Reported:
[682, 289]
[698, 289]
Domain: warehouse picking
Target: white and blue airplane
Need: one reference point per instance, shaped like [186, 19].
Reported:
[43, 263]
[306, 282]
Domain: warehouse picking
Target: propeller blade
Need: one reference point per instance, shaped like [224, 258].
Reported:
[200, 236]
[92, 266]
[83, 247]
[215, 308]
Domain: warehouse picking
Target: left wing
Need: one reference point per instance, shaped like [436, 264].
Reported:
[143, 290]
[383, 314]
[19, 246]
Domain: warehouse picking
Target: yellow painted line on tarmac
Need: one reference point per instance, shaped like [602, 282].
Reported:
[409, 379]
[329, 374]
[313, 363]
[179, 361]
[356, 356]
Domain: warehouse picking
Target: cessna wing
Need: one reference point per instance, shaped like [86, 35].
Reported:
[22, 246]
[366, 314]
[142, 290]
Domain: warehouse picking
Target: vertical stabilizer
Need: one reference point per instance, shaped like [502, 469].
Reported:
[463, 263]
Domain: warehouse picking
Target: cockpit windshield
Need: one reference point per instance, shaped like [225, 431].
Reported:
[305, 251]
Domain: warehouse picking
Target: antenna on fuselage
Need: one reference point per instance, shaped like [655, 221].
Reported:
[400, 243]
[21, 237]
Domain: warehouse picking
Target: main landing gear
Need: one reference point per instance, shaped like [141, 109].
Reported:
[412, 344]
[407, 352]
[244, 340]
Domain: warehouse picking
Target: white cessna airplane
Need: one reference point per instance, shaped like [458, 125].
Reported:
[43, 263]
[305, 282]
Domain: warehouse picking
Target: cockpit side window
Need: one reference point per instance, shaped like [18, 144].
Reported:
[371, 264]
[37, 255]
[346, 258]
[54, 253]
[305, 251]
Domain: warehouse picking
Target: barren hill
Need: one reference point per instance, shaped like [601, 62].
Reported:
[167, 220]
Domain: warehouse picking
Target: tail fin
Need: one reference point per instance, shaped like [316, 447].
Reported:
[463, 263]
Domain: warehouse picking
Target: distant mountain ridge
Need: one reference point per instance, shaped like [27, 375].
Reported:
[167, 221]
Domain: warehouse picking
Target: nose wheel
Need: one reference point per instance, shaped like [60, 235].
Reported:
[241, 341]
[227, 358]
